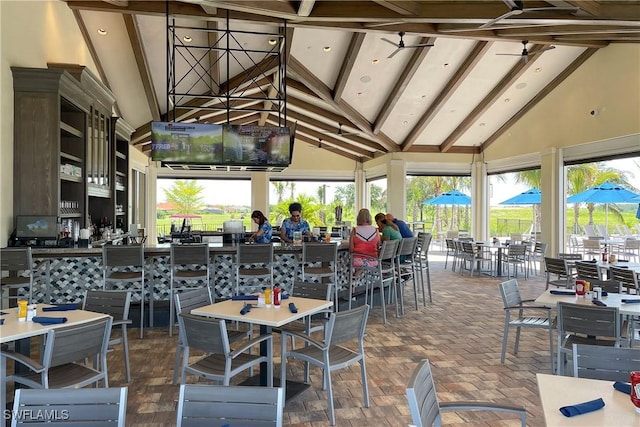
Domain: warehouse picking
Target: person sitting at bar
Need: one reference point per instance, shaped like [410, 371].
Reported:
[403, 228]
[293, 224]
[388, 230]
[364, 240]
[264, 232]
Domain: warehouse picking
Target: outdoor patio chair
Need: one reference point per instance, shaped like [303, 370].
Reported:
[591, 248]
[214, 405]
[603, 232]
[319, 261]
[535, 256]
[329, 354]
[421, 257]
[451, 252]
[85, 406]
[515, 308]
[254, 262]
[630, 250]
[570, 256]
[587, 271]
[516, 255]
[406, 268]
[472, 255]
[18, 264]
[604, 363]
[559, 268]
[627, 278]
[425, 407]
[575, 245]
[585, 324]
[590, 230]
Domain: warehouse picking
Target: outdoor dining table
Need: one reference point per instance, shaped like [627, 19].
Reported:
[13, 330]
[500, 248]
[557, 391]
[548, 299]
[267, 318]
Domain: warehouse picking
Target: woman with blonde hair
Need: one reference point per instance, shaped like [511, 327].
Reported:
[364, 241]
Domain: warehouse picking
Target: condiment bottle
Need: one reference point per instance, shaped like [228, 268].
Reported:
[267, 297]
[276, 295]
[31, 312]
[22, 310]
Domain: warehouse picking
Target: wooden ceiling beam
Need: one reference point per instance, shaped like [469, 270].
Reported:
[347, 65]
[327, 147]
[305, 7]
[559, 30]
[119, 3]
[539, 97]
[436, 149]
[409, 71]
[234, 117]
[478, 51]
[590, 7]
[133, 31]
[406, 8]
[499, 89]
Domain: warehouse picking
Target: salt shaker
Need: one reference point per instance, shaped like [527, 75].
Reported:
[31, 312]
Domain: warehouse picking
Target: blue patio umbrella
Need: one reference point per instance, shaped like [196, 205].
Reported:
[530, 197]
[452, 197]
[604, 193]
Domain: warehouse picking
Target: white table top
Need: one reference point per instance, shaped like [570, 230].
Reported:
[558, 391]
[274, 317]
[612, 300]
[13, 330]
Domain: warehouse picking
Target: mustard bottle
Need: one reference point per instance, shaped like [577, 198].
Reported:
[22, 310]
[267, 297]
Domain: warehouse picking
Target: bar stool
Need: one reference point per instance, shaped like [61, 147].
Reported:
[126, 264]
[255, 262]
[327, 255]
[406, 268]
[185, 260]
[421, 257]
[16, 262]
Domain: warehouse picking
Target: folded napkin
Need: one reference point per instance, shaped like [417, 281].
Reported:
[293, 308]
[605, 293]
[623, 387]
[1, 321]
[559, 292]
[244, 298]
[2, 313]
[598, 302]
[284, 296]
[49, 320]
[582, 408]
[62, 307]
[245, 309]
[630, 300]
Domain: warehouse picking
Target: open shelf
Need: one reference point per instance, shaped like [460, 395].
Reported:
[70, 157]
[121, 173]
[70, 178]
[121, 156]
[68, 130]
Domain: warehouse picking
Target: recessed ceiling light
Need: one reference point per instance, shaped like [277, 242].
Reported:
[326, 49]
[187, 39]
[507, 100]
[521, 85]
[375, 61]
[538, 69]
[445, 65]
[405, 122]
[481, 124]
[273, 42]
[365, 79]
[423, 97]
[102, 31]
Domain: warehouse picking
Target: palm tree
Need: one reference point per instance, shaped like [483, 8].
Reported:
[310, 210]
[186, 196]
[280, 187]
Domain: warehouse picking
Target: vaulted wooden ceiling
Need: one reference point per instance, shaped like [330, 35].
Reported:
[457, 96]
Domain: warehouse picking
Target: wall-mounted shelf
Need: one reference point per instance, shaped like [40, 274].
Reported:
[68, 156]
[70, 178]
[67, 130]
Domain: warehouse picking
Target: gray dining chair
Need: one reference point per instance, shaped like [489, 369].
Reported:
[104, 407]
[604, 363]
[421, 257]
[406, 268]
[557, 272]
[331, 353]
[213, 405]
[16, 272]
[254, 262]
[627, 278]
[425, 407]
[320, 261]
[587, 270]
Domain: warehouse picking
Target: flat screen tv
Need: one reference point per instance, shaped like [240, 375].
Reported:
[257, 145]
[196, 143]
[36, 226]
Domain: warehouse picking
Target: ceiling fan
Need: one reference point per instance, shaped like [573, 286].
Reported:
[517, 8]
[340, 132]
[525, 52]
[400, 45]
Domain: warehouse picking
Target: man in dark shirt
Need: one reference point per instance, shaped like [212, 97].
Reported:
[404, 229]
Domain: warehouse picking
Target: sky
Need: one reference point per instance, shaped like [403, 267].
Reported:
[238, 193]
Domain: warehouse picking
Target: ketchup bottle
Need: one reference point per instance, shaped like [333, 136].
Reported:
[276, 295]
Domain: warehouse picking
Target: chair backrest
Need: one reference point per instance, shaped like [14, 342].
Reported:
[407, 246]
[510, 293]
[627, 277]
[603, 231]
[16, 259]
[321, 291]
[453, 234]
[196, 298]
[468, 247]
[610, 286]
[589, 320]
[424, 242]
[591, 245]
[114, 303]
[191, 254]
[100, 407]
[589, 230]
[215, 406]
[604, 363]
[347, 325]
[123, 256]
[450, 244]
[421, 394]
[388, 250]
[540, 248]
[319, 252]
[556, 266]
[570, 256]
[588, 270]
[517, 251]
[255, 254]
[202, 333]
[515, 237]
[73, 343]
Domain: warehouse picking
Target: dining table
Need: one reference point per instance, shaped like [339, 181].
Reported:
[20, 332]
[557, 391]
[267, 317]
[627, 304]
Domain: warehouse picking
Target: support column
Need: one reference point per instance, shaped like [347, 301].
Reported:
[260, 194]
[553, 200]
[362, 196]
[480, 201]
[396, 188]
[151, 190]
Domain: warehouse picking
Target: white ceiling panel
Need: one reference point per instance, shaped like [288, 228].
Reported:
[153, 34]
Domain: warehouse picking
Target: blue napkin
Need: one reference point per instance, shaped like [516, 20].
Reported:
[559, 292]
[284, 296]
[582, 408]
[62, 307]
[49, 320]
[605, 293]
[293, 308]
[1, 321]
[598, 302]
[630, 300]
[244, 298]
[245, 309]
[2, 313]
[623, 387]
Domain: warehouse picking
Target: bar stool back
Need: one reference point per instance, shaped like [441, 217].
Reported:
[16, 262]
[326, 254]
[422, 259]
[255, 262]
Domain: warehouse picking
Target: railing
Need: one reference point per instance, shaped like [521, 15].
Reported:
[505, 227]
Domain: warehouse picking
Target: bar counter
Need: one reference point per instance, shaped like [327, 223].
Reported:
[74, 270]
